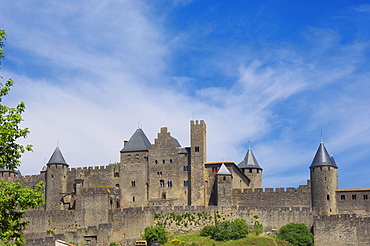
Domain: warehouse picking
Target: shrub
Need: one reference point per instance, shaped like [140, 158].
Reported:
[226, 230]
[113, 244]
[257, 228]
[151, 233]
[207, 231]
[296, 234]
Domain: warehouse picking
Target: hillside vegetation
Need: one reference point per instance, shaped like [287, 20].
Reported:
[193, 239]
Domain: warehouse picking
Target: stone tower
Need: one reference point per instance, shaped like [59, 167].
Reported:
[133, 173]
[198, 159]
[251, 169]
[56, 180]
[324, 182]
[224, 186]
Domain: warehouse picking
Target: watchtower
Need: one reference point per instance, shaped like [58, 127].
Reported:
[324, 182]
[198, 159]
[251, 169]
[56, 180]
[224, 186]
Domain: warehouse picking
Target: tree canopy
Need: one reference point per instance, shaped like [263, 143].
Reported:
[296, 234]
[14, 199]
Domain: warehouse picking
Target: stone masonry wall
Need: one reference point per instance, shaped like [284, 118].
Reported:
[341, 230]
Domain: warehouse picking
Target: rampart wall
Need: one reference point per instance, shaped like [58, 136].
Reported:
[342, 229]
[280, 197]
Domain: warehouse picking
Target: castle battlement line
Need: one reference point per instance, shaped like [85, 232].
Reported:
[103, 204]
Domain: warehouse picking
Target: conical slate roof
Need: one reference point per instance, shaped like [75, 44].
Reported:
[322, 158]
[57, 157]
[249, 161]
[138, 142]
[223, 170]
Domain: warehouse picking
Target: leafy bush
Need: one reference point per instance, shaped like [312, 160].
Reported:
[113, 244]
[226, 230]
[257, 228]
[151, 233]
[207, 231]
[296, 234]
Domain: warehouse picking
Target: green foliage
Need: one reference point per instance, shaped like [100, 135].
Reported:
[296, 233]
[151, 233]
[14, 200]
[113, 244]
[226, 230]
[207, 231]
[257, 228]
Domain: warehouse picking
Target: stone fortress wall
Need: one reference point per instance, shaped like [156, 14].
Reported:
[169, 185]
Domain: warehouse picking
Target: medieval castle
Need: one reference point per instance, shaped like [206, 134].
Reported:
[154, 182]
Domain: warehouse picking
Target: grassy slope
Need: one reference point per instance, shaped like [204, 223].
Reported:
[206, 241]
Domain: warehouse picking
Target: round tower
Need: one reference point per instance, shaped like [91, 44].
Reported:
[251, 169]
[224, 189]
[324, 182]
[56, 180]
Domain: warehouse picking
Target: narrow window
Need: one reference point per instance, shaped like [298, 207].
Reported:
[164, 161]
[117, 204]
[164, 195]
[111, 203]
[353, 197]
[116, 174]
[186, 168]
[365, 197]
[169, 183]
[133, 199]
[117, 185]
[250, 170]
[196, 148]
[74, 187]
[133, 183]
[161, 183]
[224, 178]
[170, 160]
[342, 197]
[258, 170]
[324, 178]
[156, 162]
[186, 183]
[327, 197]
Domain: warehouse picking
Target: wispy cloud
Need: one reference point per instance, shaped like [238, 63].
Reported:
[95, 72]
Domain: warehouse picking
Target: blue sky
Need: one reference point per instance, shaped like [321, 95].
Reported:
[275, 73]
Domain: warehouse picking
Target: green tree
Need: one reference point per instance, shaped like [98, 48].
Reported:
[151, 233]
[14, 200]
[226, 230]
[296, 234]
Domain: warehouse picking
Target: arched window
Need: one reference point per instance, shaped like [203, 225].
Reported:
[116, 174]
[161, 183]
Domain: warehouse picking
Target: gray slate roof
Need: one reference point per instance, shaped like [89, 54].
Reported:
[223, 170]
[322, 158]
[249, 161]
[57, 157]
[138, 142]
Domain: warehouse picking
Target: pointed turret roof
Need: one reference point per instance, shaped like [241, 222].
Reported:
[57, 157]
[249, 161]
[138, 142]
[223, 170]
[322, 158]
